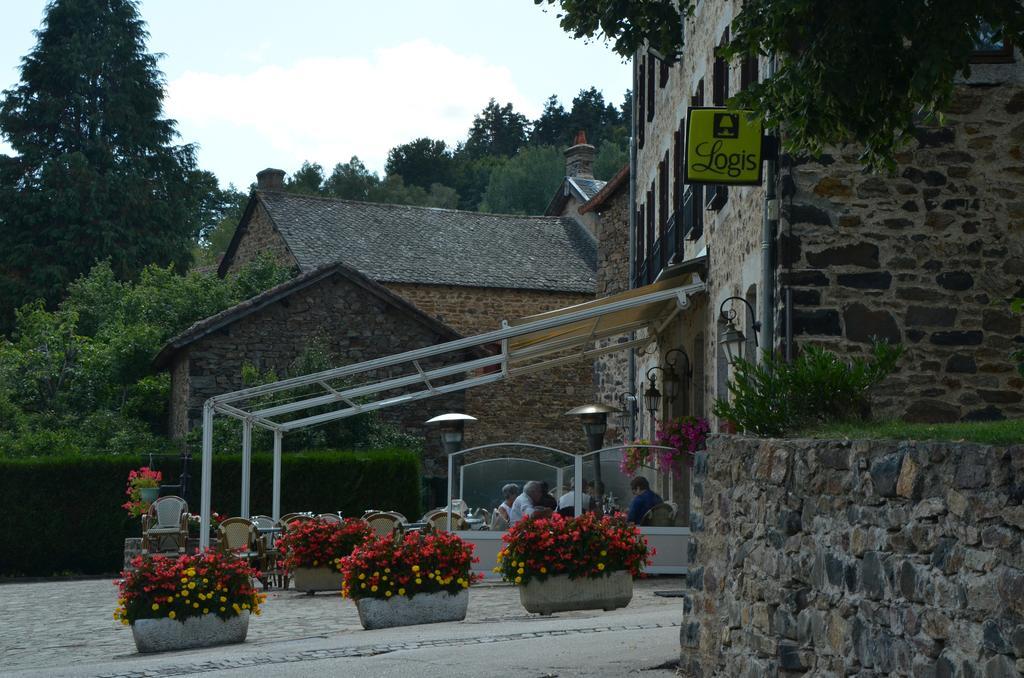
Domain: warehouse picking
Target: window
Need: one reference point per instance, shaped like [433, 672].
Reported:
[990, 47]
[650, 89]
[748, 72]
[698, 94]
[715, 197]
[639, 254]
[663, 210]
[720, 76]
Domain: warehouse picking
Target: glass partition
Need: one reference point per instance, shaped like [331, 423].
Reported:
[481, 481]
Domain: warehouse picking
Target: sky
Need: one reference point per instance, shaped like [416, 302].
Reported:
[271, 83]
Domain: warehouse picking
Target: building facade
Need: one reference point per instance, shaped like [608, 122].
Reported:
[927, 257]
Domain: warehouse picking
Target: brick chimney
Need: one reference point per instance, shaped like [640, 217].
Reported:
[579, 158]
[270, 179]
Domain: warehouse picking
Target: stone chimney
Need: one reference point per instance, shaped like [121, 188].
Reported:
[579, 158]
[270, 179]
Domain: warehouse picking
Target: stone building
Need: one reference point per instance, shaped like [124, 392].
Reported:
[578, 186]
[928, 256]
[380, 279]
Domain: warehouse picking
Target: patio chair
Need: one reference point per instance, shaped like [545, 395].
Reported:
[498, 522]
[167, 518]
[240, 537]
[384, 523]
[660, 515]
[438, 521]
[457, 506]
[329, 517]
[291, 518]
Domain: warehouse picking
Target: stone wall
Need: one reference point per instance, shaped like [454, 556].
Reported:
[529, 408]
[357, 326]
[928, 257]
[260, 237]
[863, 558]
[611, 371]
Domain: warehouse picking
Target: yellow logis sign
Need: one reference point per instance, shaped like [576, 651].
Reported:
[723, 146]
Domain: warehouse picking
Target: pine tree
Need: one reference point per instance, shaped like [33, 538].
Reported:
[96, 175]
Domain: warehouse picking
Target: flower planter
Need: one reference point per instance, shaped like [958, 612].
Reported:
[313, 579]
[160, 635]
[423, 608]
[149, 494]
[561, 594]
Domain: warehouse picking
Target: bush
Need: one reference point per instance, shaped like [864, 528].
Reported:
[64, 513]
[774, 397]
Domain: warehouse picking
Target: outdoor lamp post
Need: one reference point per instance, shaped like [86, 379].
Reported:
[652, 396]
[627, 415]
[452, 427]
[594, 418]
[731, 336]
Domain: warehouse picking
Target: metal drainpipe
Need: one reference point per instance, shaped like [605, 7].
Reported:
[632, 244]
[769, 230]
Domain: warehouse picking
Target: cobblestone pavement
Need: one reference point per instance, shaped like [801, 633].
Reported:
[67, 628]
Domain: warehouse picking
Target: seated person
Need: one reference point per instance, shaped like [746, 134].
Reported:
[528, 503]
[567, 502]
[643, 499]
[546, 499]
[501, 511]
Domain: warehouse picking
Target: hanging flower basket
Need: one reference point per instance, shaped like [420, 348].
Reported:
[581, 563]
[685, 435]
[188, 601]
[415, 579]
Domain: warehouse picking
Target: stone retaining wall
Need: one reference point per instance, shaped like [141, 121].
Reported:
[860, 558]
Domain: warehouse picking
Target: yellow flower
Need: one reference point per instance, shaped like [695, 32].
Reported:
[362, 576]
[520, 571]
[387, 570]
[543, 570]
[191, 585]
[600, 566]
[222, 608]
[206, 610]
[205, 580]
[418, 580]
[363, 585]
[223, 599]
[374, 588]
[401, 592]
[184, 594]
[415, 568]
[184, 580]
[519, 580]
[195, 605]
[376, 574]
[604, 553]
[496, 570]
[387, 593]
[155, 606]
[315, 563]
[171, 614]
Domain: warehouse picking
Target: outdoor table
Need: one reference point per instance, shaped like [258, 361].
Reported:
[475, 523]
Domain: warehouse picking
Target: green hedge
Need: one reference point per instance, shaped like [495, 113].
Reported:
[63, 514]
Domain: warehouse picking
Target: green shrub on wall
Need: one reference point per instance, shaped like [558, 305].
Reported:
[63, 514]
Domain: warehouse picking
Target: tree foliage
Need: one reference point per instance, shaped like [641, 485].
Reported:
[80, 376]
[525, 184]
[497, 130]
[422, 162]
[96, 175]
[863, 72]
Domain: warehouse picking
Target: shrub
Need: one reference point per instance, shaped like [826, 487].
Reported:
[582, 547]
[64, 513]
[187, 586]
[415, 563]
[318, 543]
[775, 397]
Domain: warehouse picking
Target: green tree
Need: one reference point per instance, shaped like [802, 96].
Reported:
[610, 158]
[552, 127]
[525, 184]
[307, 179]
[497, 130]
[593, 115]
[95, 174]
[351, 181]
[822, 93]
[214, 240]
[421, 162]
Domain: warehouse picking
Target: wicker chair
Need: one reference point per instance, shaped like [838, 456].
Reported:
[437, 521]
[660, 515]
[240, 537]
[384, 523]
[167, 518]
[330, 517]
[290, 518]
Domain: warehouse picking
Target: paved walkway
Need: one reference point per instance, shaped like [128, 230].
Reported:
[67, 629]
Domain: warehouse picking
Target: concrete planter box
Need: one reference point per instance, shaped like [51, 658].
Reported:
[561, 594]
[313, 579]
[160, 635]
[423, 608]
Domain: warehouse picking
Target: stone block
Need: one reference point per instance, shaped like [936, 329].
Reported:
[859, 254]
[881, 280]
[931, 411]
[957, 338]
[864, 325]
[931, 316]
[961, 364]
[909, 483]
[885, 473]
[797, 213]
[816, 322]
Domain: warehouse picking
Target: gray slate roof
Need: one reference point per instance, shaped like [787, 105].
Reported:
[400, 243]
[588, 187]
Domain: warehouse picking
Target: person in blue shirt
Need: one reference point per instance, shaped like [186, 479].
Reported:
[643, 499]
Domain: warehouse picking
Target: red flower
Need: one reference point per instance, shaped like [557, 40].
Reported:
[318, 543]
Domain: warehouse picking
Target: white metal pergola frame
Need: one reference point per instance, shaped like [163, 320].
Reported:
[527, 345]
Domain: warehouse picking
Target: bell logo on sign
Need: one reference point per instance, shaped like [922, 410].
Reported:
[722, 147]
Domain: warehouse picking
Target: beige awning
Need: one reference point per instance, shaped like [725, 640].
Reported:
[608, 318]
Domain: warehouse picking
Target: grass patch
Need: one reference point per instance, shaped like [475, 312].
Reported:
[1007, 432]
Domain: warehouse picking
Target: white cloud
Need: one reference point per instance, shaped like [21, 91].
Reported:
[329, 109]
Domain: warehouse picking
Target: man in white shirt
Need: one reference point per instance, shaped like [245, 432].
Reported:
[526, 503]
